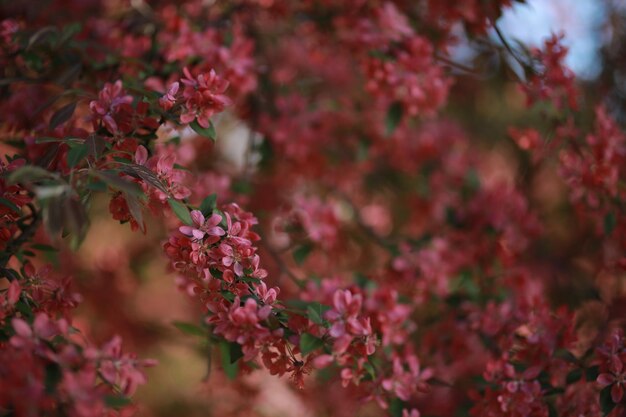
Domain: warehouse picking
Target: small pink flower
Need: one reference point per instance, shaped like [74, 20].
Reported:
[169, 99]
[204, 227]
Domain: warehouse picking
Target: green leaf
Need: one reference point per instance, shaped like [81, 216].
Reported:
[208, 205]
[574, 376]
[208, 132]
[145, 174]
[95, 146]
[190, 329]
[181, 211]
[47, 33]
[552, 411]
[76, 154]
[116, 401]
[135, 208]
[301, 253]
[235, 352]
[565, 355]
[115, 181]
[609, 223]
[10, 274]
[70, 75]
[591, 374]
[315, 312]
[62, 115]
[309, 343]
[53, 377]
[29, 173]
[76, 221]
[606, 402]
[396, 406]
[370, 370]
[230, 368]
[439, 383]
[10, 204]
[394, 117]
[69, 32]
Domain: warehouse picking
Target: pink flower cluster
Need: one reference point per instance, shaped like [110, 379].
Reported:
[612, 358]
[413, 78]
[203, 96]
[45, 362]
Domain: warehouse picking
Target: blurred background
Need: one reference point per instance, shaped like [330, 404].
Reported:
[123, 277]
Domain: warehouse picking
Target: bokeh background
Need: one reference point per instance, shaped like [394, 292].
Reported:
[122, 275]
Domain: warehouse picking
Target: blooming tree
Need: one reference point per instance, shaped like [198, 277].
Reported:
[367, 237]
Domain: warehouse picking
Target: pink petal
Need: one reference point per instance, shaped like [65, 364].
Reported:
[21, 328]
[44, 327]
[198, 234]
[617, 392]
[323, 361]
[216, 231]
[141, 155]
[337, 330]
[605, 379]
[187, 117]
[197, 217]
[214, 220]
[186, 230]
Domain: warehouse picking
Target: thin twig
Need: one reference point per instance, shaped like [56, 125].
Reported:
[508, 47]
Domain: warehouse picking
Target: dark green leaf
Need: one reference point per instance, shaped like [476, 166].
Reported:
[301, 253]
[29, 173]
[439, 382]
[69, 32]
[115, 181]
[208, 205]
[70, 75]
[396, 407]
[10, 274]
[315, 312]
[208, 132]
[44, 34]
[135, 208]
[145, 174]
[606, 402]
[181, 211]
[76, 221]
[116, 401]
[62, 115]
[230, 368]
[591, 374]
[370, 370]
[574, 376]
[10, 204]
[95, 146]
[565, 355]
[394, 117]
[97, 186]
[309, 343]
[609, 223]
[53, 216]
[76, 154]
[552, 411]
[53, 377]
[235, 352]
[44, 248]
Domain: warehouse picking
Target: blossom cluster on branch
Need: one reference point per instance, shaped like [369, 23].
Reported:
[364, 238]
